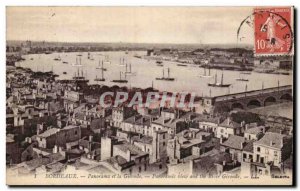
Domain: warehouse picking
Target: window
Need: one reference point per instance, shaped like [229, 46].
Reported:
[258, 149]
[164, 144]
[164, 136]
[75, 132]
[244, 155]
[145, 167]
[160, 166]
[140, 169]
[275, 153]
[267, 151]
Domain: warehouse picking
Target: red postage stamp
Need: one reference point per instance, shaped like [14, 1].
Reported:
[273, 31]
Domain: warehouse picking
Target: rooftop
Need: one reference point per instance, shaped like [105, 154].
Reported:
[49, 132]
[271, 139]
[230, 124]
[255, 130]
[134, 150]
[235, 142]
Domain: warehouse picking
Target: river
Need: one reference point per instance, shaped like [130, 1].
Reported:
[186, 78]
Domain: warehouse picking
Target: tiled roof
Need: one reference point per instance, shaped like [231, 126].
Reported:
[169, 123]
[144, 139]
[70, 127]
[255, 130]
[249, 147]
[270, 139]
[49, 132]
[235, 142]
[230, 124]
[134, 150]
[120, 161]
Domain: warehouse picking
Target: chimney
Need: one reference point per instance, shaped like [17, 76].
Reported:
[224, 162]
[55, 149]
[246, 126]
[243, 123]
[90, 138]
[242, 145]
[228, 121]
[128, 156]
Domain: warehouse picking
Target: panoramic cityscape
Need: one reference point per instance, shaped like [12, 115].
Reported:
[136, 109]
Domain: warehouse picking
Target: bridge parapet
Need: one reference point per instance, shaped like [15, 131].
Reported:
[253, 94]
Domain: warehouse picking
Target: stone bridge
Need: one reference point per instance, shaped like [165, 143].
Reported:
[250, 99]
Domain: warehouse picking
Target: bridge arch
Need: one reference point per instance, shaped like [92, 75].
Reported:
[286, 97]
[254, 103]
[270, 101]
[237, 105]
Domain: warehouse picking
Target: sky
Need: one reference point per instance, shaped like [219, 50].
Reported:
[206, 25]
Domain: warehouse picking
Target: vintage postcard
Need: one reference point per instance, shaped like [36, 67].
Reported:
[149, 95]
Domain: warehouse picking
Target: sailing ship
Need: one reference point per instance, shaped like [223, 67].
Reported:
[102, 79]
[80, 78]
[166, 78]
[106, 60]
[216, 84]
[120, 80]
[129, 72]
[78, 62]
[101, 67]
[90, 56]
[184, 65]
[122, 62]
[204, 74]
[57, 58]
[242, 79]
[159, 63]
[247, 73]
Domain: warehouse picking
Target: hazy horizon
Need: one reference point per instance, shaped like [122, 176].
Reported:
[148, 25]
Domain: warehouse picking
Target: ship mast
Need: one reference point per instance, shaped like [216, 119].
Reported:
[222, 79]
[216, 78]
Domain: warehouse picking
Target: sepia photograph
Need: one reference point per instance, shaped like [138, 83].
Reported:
[150, 96]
